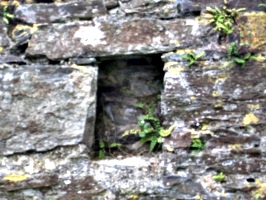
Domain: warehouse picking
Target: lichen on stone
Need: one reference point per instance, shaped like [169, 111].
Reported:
[90, 35]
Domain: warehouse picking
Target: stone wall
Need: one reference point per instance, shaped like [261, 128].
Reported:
[71, 73]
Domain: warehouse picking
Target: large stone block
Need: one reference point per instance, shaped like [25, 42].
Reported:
[161, 9]
[216, 99]
[47, 13]
[106, 37]
[44, 106]
[65, 170]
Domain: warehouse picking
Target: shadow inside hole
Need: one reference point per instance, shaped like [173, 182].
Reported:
[124, 82]
[250, 180]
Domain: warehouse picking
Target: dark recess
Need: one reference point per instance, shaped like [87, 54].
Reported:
[132, 60]
[250, 180]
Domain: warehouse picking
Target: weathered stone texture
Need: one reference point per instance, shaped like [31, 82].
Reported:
[252, 30]
[102, 38]
[65, 169]
[163, 9]
[45, 106]
[105, 36]
[222, 105]
[37, 181]
[47, 13]
[214, 92]
[201, 4]
[4, 40]
[11, 59]
[109, 4]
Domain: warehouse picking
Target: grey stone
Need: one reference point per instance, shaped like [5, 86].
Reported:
[263, 142]
[241, 166]
[43, 107]
[83, 61]
[12, 59]
[188, 89]
[47, 13]
[65, 169]
[106, 37]
[48, 110]
[109, 4]
[162, 9]
[4, 39]
[36, 181]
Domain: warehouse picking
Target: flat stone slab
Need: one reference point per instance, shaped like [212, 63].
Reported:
[44, 106]
[104, 37]
[47, 13]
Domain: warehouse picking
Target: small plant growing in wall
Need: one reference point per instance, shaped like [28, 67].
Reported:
[150, 129]
[192, 57]
[103, 146]
[6, 16]
[223, 19]
[197, 145]
[235, 57]
[101, 153]
[219, 177]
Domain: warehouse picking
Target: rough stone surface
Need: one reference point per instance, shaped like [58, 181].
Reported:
[48, 99]
[4, 40]
[161, 176]
[47, 13]
[211, 95]
[49, 106]
[65, 169]
[178, 8]
[11, 59]
[104, 37]
[110, 4]
[219, 89]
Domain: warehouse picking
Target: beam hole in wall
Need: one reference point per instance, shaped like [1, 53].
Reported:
[250, 180]
[124, 82]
